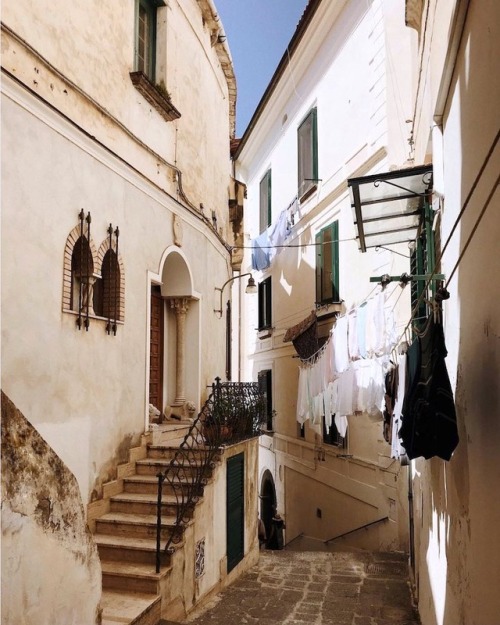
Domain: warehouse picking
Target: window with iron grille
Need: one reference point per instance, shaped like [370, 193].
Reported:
[107, 289]
[265, 206]
[265, 380]
[307, 145]
[265, 310]
[327, 264]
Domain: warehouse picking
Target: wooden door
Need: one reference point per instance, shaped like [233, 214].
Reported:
[156, 349]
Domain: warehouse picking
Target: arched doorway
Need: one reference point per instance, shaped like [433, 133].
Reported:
[267, 500]
[174, 334]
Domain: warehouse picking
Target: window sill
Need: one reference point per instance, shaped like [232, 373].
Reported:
[94, 317]
[327, 310]
[307, 194]
[264, 333]
[154, 96]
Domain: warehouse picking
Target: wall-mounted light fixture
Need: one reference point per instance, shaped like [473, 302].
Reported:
[250, 288]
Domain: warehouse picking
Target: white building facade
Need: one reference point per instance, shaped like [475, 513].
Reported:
[364, 97]
[335, 109]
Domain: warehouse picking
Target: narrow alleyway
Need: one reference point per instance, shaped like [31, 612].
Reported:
[316, 588]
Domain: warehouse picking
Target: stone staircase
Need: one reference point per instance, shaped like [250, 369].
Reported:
[125, 534]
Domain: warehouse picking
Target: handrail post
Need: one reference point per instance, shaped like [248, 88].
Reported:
[161, 478]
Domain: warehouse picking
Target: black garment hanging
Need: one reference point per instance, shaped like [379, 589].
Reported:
[391, 392]
[429, 426]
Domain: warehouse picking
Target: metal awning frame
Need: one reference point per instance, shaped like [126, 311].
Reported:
[425, 171]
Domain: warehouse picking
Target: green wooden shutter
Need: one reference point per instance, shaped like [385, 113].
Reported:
[265, 205]
[335, 262]
[327, 264]
[235, 510]
[319, 267]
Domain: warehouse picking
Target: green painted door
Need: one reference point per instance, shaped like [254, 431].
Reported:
[235, 510]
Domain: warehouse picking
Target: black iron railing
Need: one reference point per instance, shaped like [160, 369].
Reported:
[233, 412]
[356, 529]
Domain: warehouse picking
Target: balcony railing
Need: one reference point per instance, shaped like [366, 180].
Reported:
[233, 412]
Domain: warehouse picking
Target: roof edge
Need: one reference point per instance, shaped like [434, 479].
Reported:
[293, 44]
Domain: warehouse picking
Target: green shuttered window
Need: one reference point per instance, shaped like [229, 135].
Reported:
[265, 202]
[327, 264]
[307, 145]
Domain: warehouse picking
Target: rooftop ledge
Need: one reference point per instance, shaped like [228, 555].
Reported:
[154, 96]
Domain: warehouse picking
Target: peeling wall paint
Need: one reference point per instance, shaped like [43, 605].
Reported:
[50, 567]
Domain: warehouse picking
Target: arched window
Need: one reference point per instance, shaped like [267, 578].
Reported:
[82, 276]
[107, 289]
[93, 281]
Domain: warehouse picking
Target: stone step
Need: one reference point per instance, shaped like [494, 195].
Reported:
[170, 431]
[152, 466]
[134, 525]
[143, 503]
[169, 451]
[148, 484]
[130, 549]
[130, 608]
[132, 577]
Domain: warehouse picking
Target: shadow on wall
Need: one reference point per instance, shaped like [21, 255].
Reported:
[43, 530]
[463, 537]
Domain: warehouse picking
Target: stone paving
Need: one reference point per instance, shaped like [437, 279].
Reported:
[315, 588]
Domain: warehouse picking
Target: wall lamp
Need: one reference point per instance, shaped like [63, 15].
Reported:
[250, 288]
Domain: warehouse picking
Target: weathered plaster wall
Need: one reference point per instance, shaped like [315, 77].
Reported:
[85, 391]
[50, 567]
[82, 55]
[456, 507]
[186, 591]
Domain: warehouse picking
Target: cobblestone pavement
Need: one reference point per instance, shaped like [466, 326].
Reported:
[314, 588]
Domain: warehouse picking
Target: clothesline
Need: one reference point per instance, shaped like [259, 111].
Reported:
[346, 376]
[272, 247]
[317, 354]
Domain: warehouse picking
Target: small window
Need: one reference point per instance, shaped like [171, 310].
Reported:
[331, 435]
[82, 276]
[327, 264]
[145, 55]
[265, 380]
[265, 202]
[307, 143]
[107, 289]
[265, 320]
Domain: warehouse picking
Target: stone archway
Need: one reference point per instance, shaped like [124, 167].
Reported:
[267, 500]
[181, 335]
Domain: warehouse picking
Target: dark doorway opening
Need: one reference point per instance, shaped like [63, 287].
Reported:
[267, 500]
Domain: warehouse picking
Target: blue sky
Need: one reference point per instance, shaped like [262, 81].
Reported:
[258, 32]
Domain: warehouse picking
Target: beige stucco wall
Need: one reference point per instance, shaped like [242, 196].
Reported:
[82, 54]
[88, 389]
[456, 507]
[77, 135]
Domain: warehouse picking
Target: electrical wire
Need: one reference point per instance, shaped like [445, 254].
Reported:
[421, 298]
[291, 245]
[469, 239]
